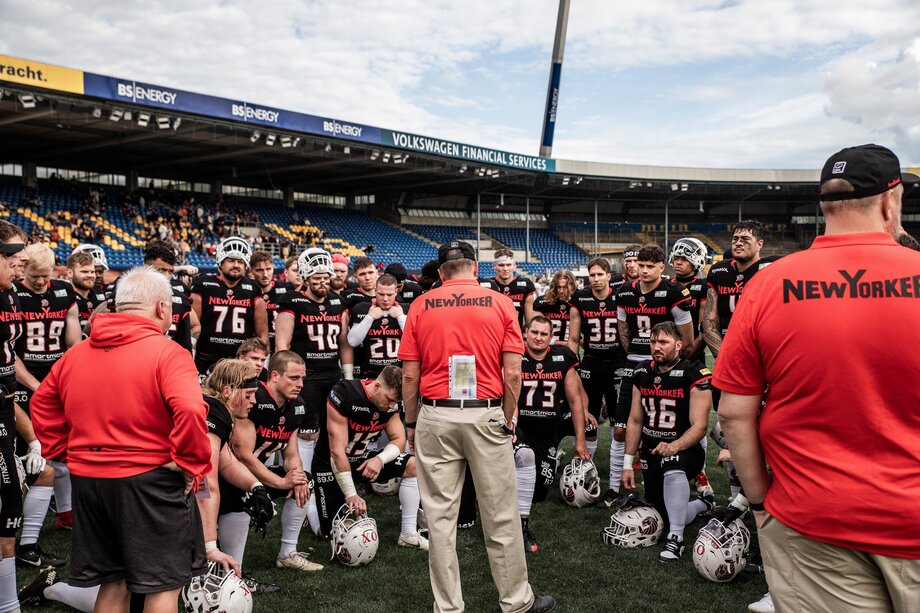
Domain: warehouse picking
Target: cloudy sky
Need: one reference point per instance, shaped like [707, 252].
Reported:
[720, 83]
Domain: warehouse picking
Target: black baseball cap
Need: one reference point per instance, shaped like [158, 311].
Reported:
[11, 248]
[398, 271]
[870, 169]
[462, 251]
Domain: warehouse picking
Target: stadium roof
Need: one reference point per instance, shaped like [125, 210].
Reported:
[64, 118]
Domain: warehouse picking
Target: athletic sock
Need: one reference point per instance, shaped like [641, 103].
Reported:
[676, 495]
[592, 447]
[9, 597]
[233, 530]
[305, 448]
[694, 508]
[63, 501]
[292, 518]
[79, 598]
[34, 509]
[617, 449]
[409, 503]
[526, 484]
[313, 515]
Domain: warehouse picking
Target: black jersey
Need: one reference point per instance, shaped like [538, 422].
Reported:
[273, 297]
[86, 306]
[381, 344]
[542, 403]
[697, 288]
[355, 297]
[44, 317]
[666, 398]
[728, 283]
[598, 324]
[317, 326]
[558, 313]
[219, 421]
[181, 328]
[11, 328]
[409, 292]
[275, 424]
[518, 289]
[227, 316]
[365, 421]
[667, 301]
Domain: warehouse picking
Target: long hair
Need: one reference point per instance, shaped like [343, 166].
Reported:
[551, 296]
[227, 373]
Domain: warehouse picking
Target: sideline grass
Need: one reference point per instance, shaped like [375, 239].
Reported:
[573, 564]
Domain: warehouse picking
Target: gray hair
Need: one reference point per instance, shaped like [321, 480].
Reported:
[141, 287]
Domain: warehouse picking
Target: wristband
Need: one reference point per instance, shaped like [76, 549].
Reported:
[210, 546]
[628, 460]
[346, 483]
[348, 371]
[255, 485]
[411, 424]
[194, 342]
[389, 453]
[756, 506]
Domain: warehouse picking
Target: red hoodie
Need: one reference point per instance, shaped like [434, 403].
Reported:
[123, 402]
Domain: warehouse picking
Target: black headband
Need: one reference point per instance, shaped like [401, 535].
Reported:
[251, 383]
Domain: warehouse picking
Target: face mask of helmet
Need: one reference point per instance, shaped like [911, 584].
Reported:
[354, 538]
[580, 484]
[216, 591]
[314, 261]
[234, 247]
[634, 523]
[693, 250]
[720, 551]
[98, 254]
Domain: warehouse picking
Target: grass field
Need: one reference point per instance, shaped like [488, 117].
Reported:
[573, 564]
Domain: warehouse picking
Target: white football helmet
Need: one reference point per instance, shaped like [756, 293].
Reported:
[634, 523]
[386, 488]
[95, 251]
[580, 485]
[692, 249]
[234, 247]
[720, 551]
[216, 591]
[314, 261]
[354, 537]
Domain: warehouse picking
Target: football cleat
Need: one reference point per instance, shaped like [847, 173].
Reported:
[673, 549]
[32, 555]
[764, 605]
[34, 593]
[298, 560]
[609, 499]
[413, 541]
[702, 485]
[710, 501]
[64, 520]
[260, 588]
[530, 543]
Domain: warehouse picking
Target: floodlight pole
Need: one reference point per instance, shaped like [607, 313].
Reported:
[478, 224]
[555, 74]
[597, 247]
[527, 229]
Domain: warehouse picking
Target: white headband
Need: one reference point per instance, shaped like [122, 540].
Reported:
[504, 259]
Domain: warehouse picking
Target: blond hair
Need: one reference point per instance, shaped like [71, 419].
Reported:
[225, 373]
[39, 255]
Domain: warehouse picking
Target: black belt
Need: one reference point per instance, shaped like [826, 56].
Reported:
[483, 403]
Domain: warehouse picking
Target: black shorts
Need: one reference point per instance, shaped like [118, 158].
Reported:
[231, 498]
[315, 394]
[545, 456]
[620, 415]
[601, 379]
[329, 496]
[142, 529]
[10, 485]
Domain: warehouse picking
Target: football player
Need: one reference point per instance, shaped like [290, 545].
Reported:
[630, 266]
[604, 359]
[292, 273]
[376, 327]
[228, 305]
[549, 408]
[82, 272]
[263, 273]
[556, 306]
[99, 261]
[272, 426]
[407, 290]
[185, 328]
[255, 351]
[358, 411]
[641, 305]
[365, 272]
[338, 282]
[670, 415]
[520, 289]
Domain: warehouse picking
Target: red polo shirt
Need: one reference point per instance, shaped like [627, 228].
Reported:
[834, 332]
[460, 318]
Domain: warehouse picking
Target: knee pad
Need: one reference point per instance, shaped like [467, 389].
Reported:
[524, 457]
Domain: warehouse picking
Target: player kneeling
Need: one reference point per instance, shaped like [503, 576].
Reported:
[670, 413]
[356, 413]
[550, 397]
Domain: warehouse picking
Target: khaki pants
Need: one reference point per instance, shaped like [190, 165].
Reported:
[807, 576]
[445, 441]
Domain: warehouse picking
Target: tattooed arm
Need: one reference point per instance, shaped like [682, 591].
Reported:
[710, 323]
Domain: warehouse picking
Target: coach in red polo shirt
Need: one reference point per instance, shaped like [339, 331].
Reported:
[461, 351]
[832, 335]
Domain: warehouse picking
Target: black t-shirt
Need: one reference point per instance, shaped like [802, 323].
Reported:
[44, 317]
[667, 301]
[10, 331]
[275, 424]
[181, 328]
[728, 283]
[558, 313]
[542, 403]
[219, 420]
[227, 316]
[365, 421]
[317, 326]
[598, 324]
[410, 291]
[86, 306]
[666, 398]
[273, 298]
[381, 344]
[518, 289]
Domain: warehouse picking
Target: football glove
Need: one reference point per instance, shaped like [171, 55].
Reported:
[259, 505]
[33, 462]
